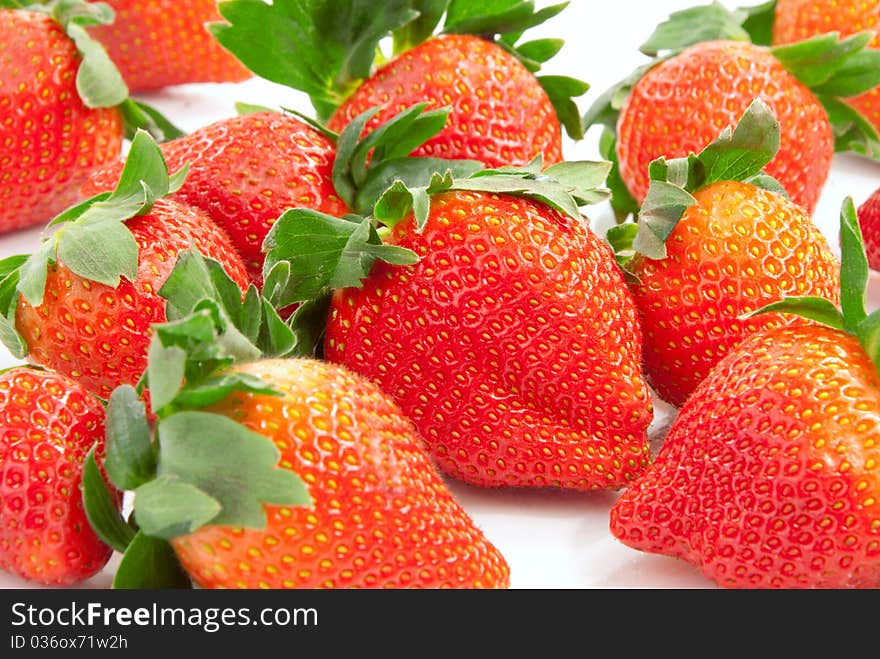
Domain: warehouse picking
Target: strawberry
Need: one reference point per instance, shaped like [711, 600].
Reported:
[246, 171]
[159, 43]
[702, 261]
[478, 79]
[50, 136]
[501, 112]
[705, 75]
[512, 344]
[83, 304]
[48, 423]
[767, 478]
[282, 472]
[869, 221]
[796, 20]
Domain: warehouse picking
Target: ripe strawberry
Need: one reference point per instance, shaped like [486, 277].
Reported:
[93, 325]
[47, 425]
[244, 172]
[869, 220]
[478, 79]
[381, 515]
[706, 72]
[736, 250]
[502, 113]
[158, 43]
[50, 137]
[768, 476]
[680, 106]
[276, 472]
[796, 20]
[512, 344]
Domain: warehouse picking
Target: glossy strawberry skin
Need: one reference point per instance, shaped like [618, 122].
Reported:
[869, 222]
[769, 476]
[381, 516]
[244, 172]
[98, 335]
[500, 113]
[797, 20]
[49, 140]
[681, 105]
[737, 250]
[513, 345]
[48, 424]
[158, 43]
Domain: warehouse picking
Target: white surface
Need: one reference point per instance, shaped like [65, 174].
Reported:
[550, 539]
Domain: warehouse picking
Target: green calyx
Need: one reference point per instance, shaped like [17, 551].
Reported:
[98, 81]
[320, 253]
[91, 237]
[326, 48]
[852, 316]
[739, 154]
[190, 467]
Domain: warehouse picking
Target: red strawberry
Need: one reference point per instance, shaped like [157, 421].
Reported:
[381, 516]
[501, 112]
[705, 260]
[90, 317]
[796, 20]
[480, 81]
[244, 172]
[869, 220]
[768, 477]
[680, 105]
[157, 43]
[98, 334]
[47, 425]
[50, 139]
[513, 344]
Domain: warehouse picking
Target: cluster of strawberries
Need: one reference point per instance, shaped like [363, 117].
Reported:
[280, 333]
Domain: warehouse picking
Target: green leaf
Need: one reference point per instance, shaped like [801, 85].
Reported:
[695, 25]
[421, 28]
[10, 265]
[759, 22]
[98, 81]
[561, 90]
[346, 146]
[308, 324]
[411, 173]
[767, 182]
[195, 278]
[853, 268]
[605, 110]
[812, 308]
[540, 50]
[622, 202]
[242, 108]
[11, 339]
[32, 275]
[744, 152]
[326, 252]
[491, 17]
[818, 60]
[140, 116]
[230, 463]
[622, 238]
[320, 47]
[276, 338]
[168, 507]
[150, 564]
[664, 206]
[101, 251]
[9, 297]
[218, 387]
[165, 372]
[101, 510]
[545, 191]
[868, 332]
[131, 458]
[853, 132]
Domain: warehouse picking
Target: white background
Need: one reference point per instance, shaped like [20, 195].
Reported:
[551, 539]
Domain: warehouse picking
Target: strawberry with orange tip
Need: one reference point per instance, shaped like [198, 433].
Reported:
[717, 238]
[768, 477]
